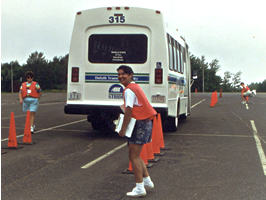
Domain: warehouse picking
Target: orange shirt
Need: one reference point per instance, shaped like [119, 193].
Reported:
[244, 89]
[30, 91]
[145, 111]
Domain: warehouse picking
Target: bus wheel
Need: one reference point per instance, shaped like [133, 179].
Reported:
[183, 117]
[96, 124]
[171, 124]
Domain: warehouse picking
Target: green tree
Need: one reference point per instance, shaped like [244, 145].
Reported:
[209, 70]
[236, 80]
[226, 83]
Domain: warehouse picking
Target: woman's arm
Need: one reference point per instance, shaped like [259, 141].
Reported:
[127, 118]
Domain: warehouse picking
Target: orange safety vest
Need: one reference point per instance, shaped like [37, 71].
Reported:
[145, 111]
[245, 89]
[32, 88]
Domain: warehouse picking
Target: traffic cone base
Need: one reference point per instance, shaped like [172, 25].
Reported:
[129, 170]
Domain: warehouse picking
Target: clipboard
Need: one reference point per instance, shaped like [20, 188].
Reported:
[130, 127]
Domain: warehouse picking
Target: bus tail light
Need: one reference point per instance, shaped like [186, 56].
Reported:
[158, 76]
[75, 74]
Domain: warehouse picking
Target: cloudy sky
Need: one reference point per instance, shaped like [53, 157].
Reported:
[231, 31]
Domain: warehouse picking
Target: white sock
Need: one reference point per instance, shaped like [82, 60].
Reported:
[140, 185]
[147, 179]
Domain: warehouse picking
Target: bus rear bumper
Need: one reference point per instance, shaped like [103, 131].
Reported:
[82, 109]
[88, 109]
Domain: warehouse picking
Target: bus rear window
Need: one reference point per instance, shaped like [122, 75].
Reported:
[117, 48]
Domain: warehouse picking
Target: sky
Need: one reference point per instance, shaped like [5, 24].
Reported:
[231, 31]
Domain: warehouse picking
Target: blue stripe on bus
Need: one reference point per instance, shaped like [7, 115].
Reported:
[112, 78]
[176, 80]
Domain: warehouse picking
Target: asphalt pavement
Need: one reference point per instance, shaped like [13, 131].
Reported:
[216, 154]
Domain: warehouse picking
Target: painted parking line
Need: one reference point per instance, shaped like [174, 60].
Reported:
[259, 147]
[117, 148]
[209, 135]
[51, 128]
[198, 103]
[103, 156]
[24, 115]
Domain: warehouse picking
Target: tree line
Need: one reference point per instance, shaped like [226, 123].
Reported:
[207, 77]
[49, 74]
[53, 74]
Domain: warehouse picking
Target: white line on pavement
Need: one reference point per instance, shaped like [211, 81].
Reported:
[103, 156]
[117, 148]
[198, 103]
[47, 129]
[259, 147]
[209, 135]
[24, 115]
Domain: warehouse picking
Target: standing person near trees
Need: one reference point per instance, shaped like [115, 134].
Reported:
[136, 105]
[29, 95]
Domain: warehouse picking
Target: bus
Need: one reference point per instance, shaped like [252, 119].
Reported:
[105, 38]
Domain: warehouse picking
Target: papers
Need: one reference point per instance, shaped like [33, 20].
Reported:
[130, 126]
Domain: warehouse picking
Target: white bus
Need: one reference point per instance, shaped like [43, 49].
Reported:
[105, 38]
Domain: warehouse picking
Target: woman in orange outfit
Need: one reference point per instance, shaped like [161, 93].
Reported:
[136, 105]
[29, 96]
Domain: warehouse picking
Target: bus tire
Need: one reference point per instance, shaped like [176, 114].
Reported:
[170, 124]
[96, 124]
[183, 117]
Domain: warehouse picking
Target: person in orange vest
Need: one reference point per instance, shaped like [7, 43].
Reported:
[136, 105]
[246, 93]
[29, 95]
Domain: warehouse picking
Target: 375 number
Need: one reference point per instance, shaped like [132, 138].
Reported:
[117, 18]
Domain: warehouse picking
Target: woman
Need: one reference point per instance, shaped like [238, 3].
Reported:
[136, 105]
[29, 96]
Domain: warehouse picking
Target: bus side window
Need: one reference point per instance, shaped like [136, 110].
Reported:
[184, 59]
[181, 59]
[170, 52]
[177, 56]
[174, 55]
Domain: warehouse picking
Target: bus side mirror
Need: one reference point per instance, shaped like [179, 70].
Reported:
[194, 75]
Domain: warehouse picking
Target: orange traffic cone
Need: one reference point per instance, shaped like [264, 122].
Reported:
[155, 137]
[27, 133]
[143, 154]
[12, 138]
[129, 170]
[213, 99]
[130, 166]
[160, 129]
[150, 154]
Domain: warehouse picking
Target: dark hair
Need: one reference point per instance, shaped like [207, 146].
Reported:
[126, 69]
[29, 74]
[242, 83]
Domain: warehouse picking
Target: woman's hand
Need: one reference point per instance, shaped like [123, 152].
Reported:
[122, 133]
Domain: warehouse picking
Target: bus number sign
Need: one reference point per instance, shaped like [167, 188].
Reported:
[117, 18]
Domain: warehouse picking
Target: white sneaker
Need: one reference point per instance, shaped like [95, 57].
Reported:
[149, 185]
[137, 192]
